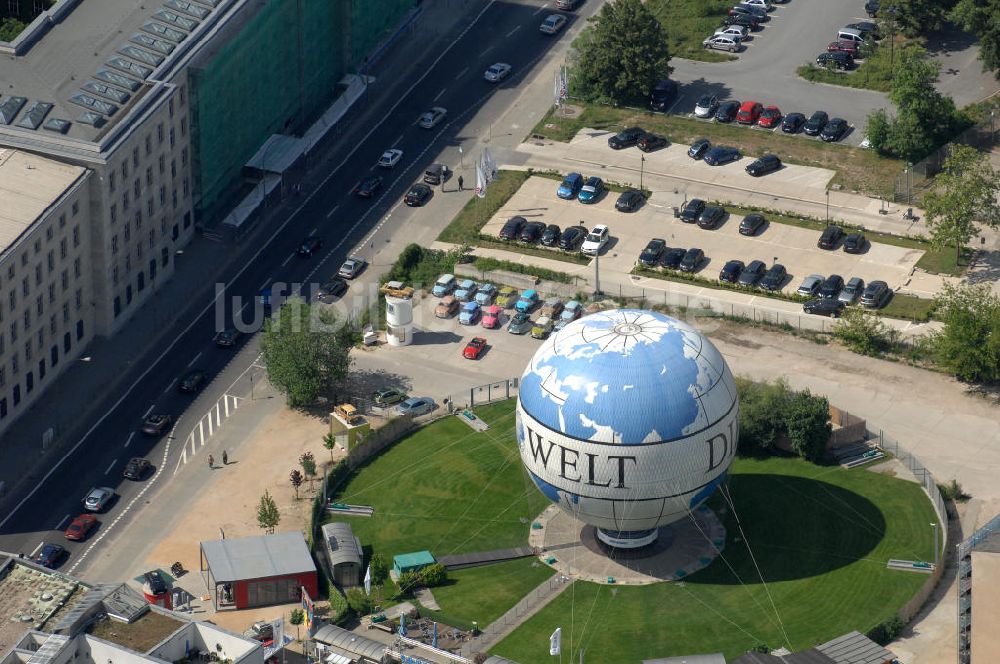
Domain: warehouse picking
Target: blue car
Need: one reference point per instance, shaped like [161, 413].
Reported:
[719, 155]
[570, 186]
[470, 313]
[592, 190]
[466, 290]
[570, 313]
[528, 301]
[485, 294]
[50, 555]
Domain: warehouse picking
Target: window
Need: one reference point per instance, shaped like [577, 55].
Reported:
[65, 316]
[142, 280]
[52, 293]
[64, 278]
[128, 263]
[149, 176]
[163, 164]
[180, 93]
[114, 213]
[76, 236]
[13, 300]
[2, 344]
[149, 144]
[114, 275]
[187, 219]
[128, 294]
[175, 232]
[76, 208]
[27, 319]
[125, 170]
[149, 207]
[118, 306]
[77, 272]
[138, 219]
[41, 369]
[78, 299]
[79, 330]
[164, 256]
[17, 394]
[48, 234]
[52, 324]
[27, 350]
[135, 157]
[184, 187]
[54, 355]
[51, 260]
[111, 181]
[152, 237]
[184, 126]
[24, 287]
[14, 368]
[3, 378]
[41, 337]
[184, 156]
[137, 188]
[62, 248]
[10, 271]
[173, 197]
[170, 106]
[62, 221]
[24, 260]
[67, 342]
[127, 231]
[163, 195]
[159, 133]
[172, 137]
[13, 331]
[38, 247]
[138, 250]
[29, 381]
[152, 270]
[125, 200]
[38, 274]
[173, 168]
[38, 306]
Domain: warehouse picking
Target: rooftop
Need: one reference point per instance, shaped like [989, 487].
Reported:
[342, 545]
[29, 185]
[30, 596]
[140, 635]
[258, 557]
[985, 607]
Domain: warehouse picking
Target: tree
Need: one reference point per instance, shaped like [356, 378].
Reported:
[965, 194]
[308, 463]
[408, 581]
[10, 28]
[807, 421]
[980, 18]
[306, 351]
[295, 477]
[918, 16]
[359, 602]
[761, 415]
[297, 618]
[968, 345]
[864, 332]
[380, 569]
[330, 442]
[433, 575]
[268, 516]
[621, 55]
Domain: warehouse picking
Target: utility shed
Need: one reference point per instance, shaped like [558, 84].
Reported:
[258, 571]
[412, 562]
[344, 553]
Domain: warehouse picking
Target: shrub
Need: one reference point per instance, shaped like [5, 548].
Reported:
[433, 575]
[359, 602]
[886, 631]
[953, 491]
[864, 332]
[338, 606]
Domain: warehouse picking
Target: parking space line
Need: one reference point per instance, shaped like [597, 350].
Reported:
[112, 465]
[146, 414]
[443, 90]
[334, 209]
[62, 523]
[128, 441]
[461, 73]
[171, 385]
[194, 359]
[511, 33]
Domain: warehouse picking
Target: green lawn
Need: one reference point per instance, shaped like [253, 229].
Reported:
[874, 72]
[909, 307]
[464, 228]
[821, 537]
[483, 594]
[687, 22]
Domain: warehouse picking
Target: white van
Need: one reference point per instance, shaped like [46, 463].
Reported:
[850, 34]
[763, 4]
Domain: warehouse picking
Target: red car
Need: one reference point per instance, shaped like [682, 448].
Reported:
[81, 527]
[474, 348]
[844, 46]
[770, 117]
[749, 112]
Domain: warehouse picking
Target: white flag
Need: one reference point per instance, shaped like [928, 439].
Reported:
[558, 88]
[563, 91]
[368, 580]
[480, 181]
[555, 642]
[489, 167]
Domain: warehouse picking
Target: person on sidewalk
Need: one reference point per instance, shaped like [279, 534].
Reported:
[225, 458]
[460, 182]
[211, 461]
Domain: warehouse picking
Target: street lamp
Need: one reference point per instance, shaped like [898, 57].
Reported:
[642, 168]
[935, 527]
[828, 206]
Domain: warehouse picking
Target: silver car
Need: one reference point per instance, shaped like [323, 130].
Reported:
[431, 118]
[98, 498]
[722, 43]
[810, 285]
[416, 406]
[852, 291]
[352, 267]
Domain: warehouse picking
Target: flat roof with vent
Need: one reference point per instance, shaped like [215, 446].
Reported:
[260, 557]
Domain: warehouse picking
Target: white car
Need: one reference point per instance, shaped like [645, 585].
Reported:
[736, 31]
[706, 106]
[552, 24]
[352, 267]
[497, 72]
[722, 43]
[98, 498]
[595, 240]
[762, 4]
[431, 118]
[390, 158]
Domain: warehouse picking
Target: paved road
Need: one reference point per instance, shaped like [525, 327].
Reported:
[505, 31]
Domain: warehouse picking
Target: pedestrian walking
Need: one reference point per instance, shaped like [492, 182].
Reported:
[225, 458]
[211, 461]
[460, 182]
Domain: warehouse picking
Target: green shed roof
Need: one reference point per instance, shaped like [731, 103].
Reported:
[415, 559]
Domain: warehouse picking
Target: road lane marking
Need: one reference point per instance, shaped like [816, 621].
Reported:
[287, 258]
[399, 139]
[171, 385]
[313, 231]
[194, 359]
[461, 73]
[334, 208]
[540, 9]
[37, 549]
[511, 33]
[61, 525]
[443, 90]
[146, 414]
[110, 466]
[128, 441]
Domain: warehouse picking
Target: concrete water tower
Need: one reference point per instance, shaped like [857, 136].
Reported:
[398, 313]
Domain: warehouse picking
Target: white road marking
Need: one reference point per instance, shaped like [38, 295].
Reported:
[540, 9]
[128, 441]
[487, 50]
[287, 258]
[461, 73]
[146, 414]
[112, 465]
[511, 33]
[264, 284]
[313, 231]
[194, 359]
[62, 524]
[399, 139]
[443, 90]
[37, 549]
[171, 385]
[334, 209]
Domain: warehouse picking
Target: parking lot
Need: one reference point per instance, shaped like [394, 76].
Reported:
[792, 246]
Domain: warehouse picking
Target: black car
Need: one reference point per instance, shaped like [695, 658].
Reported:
[829, 238]
[749, 10]
[532, 231]
[751, 224]
[721, 154]
[550, 236]
[192, 381]
[629, 200]
[746, 20]
[731, 271]
[792, 123]
[369, 186]
[572, 237]
[512, 228]
[871, 8]
[651, 255]
[417, 195]
[711, 216]
[227, 338]
[854, 243]
[155, 581]
[664, 93]
[814, 125]
[875, 295]
[331, 290]
[868, 29]
[692, 209]
[692, 260]
[763, 165]
[672, 258]
[626, 138]
[699, 148]
[650, 142]
[831, 286]
[310, 246]
[824, 307]
[752, 273]
[727, 111]
[136, 468]
[834, 130]
[50, 555]
[774, 277]
[836, 59]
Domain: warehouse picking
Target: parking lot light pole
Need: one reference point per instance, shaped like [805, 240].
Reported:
[935, 526]
[827, 206]
[642, 168]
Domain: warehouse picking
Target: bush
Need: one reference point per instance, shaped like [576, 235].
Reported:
[886, 631]
[433, 575]
[807, 422]
[338, 606]
[769, 411]
[359, 602]
[953, 491]
[864, 332]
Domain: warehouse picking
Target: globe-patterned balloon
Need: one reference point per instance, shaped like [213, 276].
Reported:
[628, 419]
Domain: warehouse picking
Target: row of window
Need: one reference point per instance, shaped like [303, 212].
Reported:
[12, 265]
[140, 281]
[29, 375]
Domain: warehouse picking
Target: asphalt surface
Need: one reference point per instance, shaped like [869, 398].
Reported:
[453, 78]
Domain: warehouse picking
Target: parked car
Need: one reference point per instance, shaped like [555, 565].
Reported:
[835, 59]
[390, 158]
[721, 154]
[764, 5]
[871, 8]
[650, 256]
[596, 239]
[855, 243]
[466, 290]
[770, 117]
[706, 106]
[735, 31]
[50, 555]
[692, 260]
[722, 43]
[416, 406]
[572, 237]
[98, 498]
[792, 123]
[156, 424]
[542, 328]
[626, 138]
[711, 216]
[672, 258]
[699, 148]
[844, 46]
[852, 290]
[552, 24]
[748, 10]
[485, 294]
[823, 307]
[368, 186]
[663, 93]
[730, 272]
[834, 130]
[567, 5]
[418, 194]
[774, 278]
[506, 297]
[875, 295]
[551, 307]
[492, 316]
[520, 323]
[692, 210]
[227, 338]
[763, 165]
[431, 118]
[331, 290]
[629, 200]
[570, 186]
[752, 273]
[80, 527]
[497, 72]
[310, 246]
[814, 125]
[831, 286]
[445, 284]
[550, 236]
[137, 468]
[749, 112]
[651, 142]
[591, 190]
[192, 381]
[352, 267]
[527, 302]
[532, 231]
[727, 111]
[512, 228]
[869, 30]
[570, 313]
[829, 238]
[475, 348]
[752, 223]
[388, 396]
[810, 285]
[746, 20]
